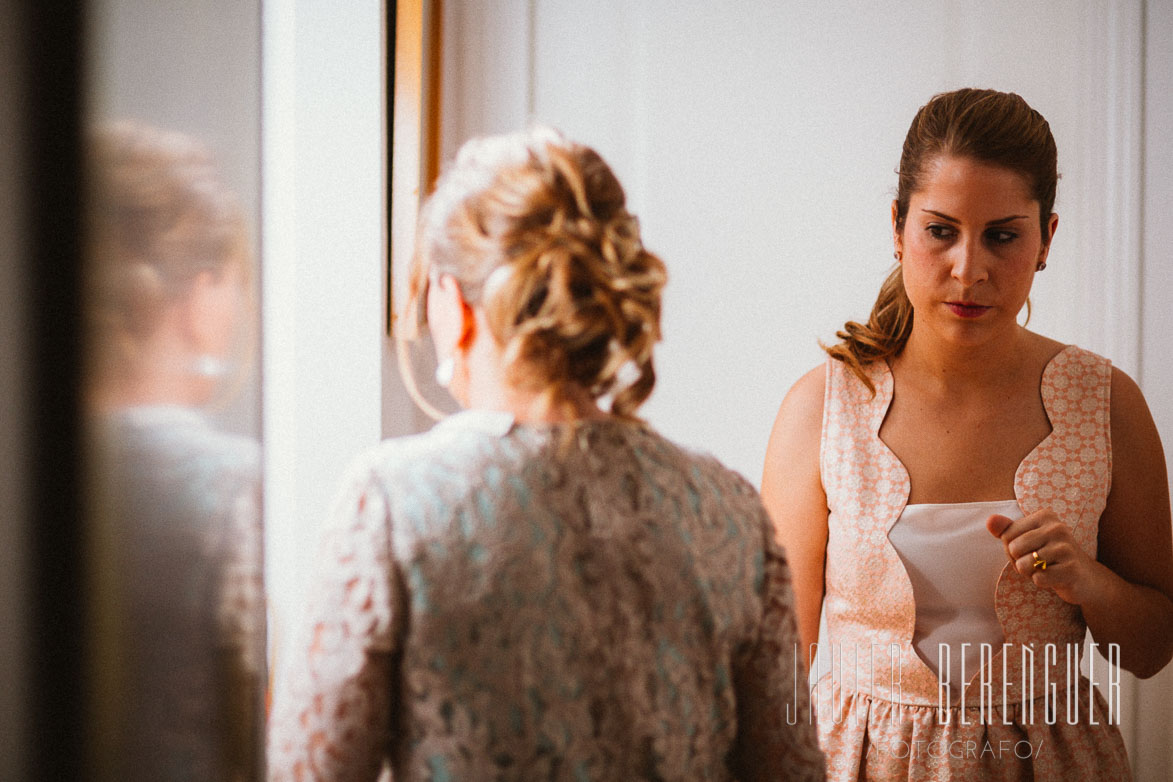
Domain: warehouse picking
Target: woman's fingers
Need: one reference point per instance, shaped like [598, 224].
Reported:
[1008, 530]
[1027, 540]
[1033, 540]
[1034, 563]
[1043, 549]
[1012, 531]
[997, 524]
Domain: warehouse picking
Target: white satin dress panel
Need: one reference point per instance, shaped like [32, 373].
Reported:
[954, 594]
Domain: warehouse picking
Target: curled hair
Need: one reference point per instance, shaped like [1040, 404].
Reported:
[998, 128]
[535, 229]
[158, 216]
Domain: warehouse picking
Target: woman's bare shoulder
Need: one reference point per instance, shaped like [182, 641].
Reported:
[1041, 349]
[795, 437]
[1132, 420]
[804, 401]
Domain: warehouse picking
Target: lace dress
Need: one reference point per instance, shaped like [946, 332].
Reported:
[499, 601]
[180, 517]
[878, 706]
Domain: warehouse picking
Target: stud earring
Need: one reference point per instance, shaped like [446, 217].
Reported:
[899, 256]
[1042, 265]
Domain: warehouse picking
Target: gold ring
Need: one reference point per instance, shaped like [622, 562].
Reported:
[1039, 563]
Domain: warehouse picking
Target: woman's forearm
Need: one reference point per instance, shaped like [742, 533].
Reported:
[1136, 617]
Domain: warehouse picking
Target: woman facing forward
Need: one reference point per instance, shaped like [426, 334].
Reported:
[942, 438]
[536, 588]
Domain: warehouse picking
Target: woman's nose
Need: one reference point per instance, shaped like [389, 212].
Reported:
[969, 263]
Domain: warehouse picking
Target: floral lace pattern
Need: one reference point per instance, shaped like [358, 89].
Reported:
[513, 602]
[878, 716]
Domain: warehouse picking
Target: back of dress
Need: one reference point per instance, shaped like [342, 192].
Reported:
[572, 605]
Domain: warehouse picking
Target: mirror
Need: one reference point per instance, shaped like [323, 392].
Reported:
[171, 396]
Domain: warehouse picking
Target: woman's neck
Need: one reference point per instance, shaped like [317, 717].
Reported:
[148, 388]
[489, 387]
[954, 367]
[573, 403]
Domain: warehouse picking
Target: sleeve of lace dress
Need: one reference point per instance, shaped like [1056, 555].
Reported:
[241, 620]
[776, 736]
[333, 698]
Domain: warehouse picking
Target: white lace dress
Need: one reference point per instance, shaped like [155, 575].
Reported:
[498, 601]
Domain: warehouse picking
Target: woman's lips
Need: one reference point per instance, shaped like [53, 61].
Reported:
[967, 309]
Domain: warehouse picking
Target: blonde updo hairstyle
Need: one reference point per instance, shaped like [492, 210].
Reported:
[536, 231]
[158, 216]
[997, 128]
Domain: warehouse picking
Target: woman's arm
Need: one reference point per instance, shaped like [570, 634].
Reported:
[333, 701]
[1126, 593]
[1134, 605]
[792, 491]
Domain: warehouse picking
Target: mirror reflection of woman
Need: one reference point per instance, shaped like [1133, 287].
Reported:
[178, 501]
[542, 587]
[950, 476]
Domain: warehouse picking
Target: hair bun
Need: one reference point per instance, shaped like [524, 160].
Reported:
[581, 298]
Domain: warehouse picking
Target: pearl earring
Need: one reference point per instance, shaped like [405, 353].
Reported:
[210, 366]
[1042, 265]
[445, 371]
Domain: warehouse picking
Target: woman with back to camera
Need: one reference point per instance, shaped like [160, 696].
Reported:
[941, 439]
[536, 588]
[177, 498]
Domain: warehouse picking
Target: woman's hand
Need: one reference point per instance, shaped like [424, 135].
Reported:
[1043, 549]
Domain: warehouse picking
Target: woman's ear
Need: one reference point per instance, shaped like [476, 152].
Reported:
[897, 238]
[1052, 224]
[468, 326]
[450, 317]
[211, 309]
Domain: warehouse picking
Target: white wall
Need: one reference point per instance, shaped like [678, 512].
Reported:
[758, 143]
[323, 249]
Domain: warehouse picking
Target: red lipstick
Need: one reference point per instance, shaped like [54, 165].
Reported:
[967, 309]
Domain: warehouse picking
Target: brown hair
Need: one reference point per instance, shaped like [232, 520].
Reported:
[158, 216]
[993, 127]
[535, 229]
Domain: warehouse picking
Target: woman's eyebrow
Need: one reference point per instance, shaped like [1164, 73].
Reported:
[999, 221]
[941, 215]
[1009, 219]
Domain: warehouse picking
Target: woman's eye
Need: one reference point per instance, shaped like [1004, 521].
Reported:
[940, 231]
[1002, 237]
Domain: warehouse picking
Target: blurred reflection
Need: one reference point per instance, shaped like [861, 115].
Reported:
[170, 275]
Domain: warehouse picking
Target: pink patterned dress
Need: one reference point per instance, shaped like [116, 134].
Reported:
[879, 712]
